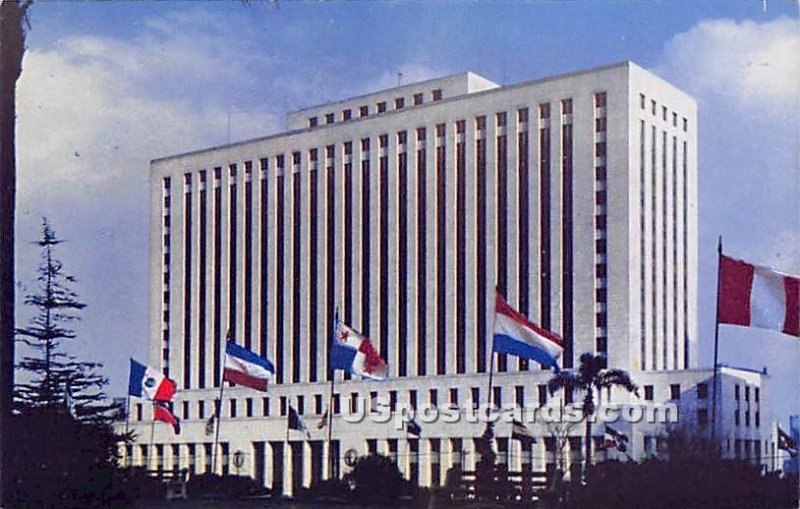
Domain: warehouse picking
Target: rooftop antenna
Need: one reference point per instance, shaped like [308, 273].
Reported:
[399, 78]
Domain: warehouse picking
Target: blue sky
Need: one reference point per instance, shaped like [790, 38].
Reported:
[108, 86]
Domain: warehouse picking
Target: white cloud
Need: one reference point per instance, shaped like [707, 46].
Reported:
[92, 113]
[744, 62]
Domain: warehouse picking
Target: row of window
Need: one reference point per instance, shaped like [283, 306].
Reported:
[289, 215]
[380, 107]
[601, 215]
[665, 113]
[251, 407]
[165, 291]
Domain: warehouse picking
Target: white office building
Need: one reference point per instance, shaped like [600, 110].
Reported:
[574, 196]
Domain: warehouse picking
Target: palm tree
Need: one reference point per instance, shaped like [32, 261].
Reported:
[590, 376]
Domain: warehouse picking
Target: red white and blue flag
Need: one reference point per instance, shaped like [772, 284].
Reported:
[148, 383]
[515, 335]
[244, 367]
[353, 352]
[162, 412]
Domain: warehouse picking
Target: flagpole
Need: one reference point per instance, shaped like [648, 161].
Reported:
[716, 348]
[152, 436]
[128, 460]
[330, 396]
[491, 355]
[218, 412]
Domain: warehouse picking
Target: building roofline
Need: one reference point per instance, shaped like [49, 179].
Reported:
[536, 81]
[385, 90]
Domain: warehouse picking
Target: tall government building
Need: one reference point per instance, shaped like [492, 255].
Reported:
[403, 210]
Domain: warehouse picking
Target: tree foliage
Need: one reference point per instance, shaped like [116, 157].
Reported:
[377, 478]
[65, 448]
[52, 377]
[591, 376]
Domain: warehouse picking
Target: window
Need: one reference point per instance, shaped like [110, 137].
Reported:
[418, 98]
[283, 406]
[328, 119]
[757, 394]
[648, 393]
[653, 106]
[312, 122]
[674, 119]
[301, 405]
[392, 400]
[336, 405]
[642, 101]
[383, 140]
[544, 111]
[601, 344]
[233, 408]
[347, 114]
[600, 124]
[664, 113]
[433, 397]
[737, 417]
[542, 389]
[412, 399]
[702, 416]
[365, 145]
[675, 391]
[497, 396]
[318, 404]
[702, 391]
[685, 125]
[353, 402]
[747, 393]
[519, 395]
[736, 392]
[399, 103]
[248, 407]
[201, 409]
[475, 396]
[381, 107]
[363, 111]
[454, 396]
[265, 407]
[758, 419]
[566, 106]
[502, 118]
[437, 94]
[600, 100]
[185, 410]
[522, 115]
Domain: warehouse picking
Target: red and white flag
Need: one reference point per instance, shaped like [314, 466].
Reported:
[755, 296]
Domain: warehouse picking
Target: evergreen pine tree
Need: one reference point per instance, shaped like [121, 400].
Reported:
[50, 377]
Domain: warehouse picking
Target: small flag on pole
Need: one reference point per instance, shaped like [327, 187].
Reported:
[754, 296]
[323, 421]
[515, 335]
[413, 428]
[161, 412]
[354, 353]
[297, 423]
[615, 439]
[787, 443]
[210, 425]
[148, 383]
[521, 432]
[244, 367]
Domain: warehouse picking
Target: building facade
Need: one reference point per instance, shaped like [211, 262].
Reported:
[401, 212]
